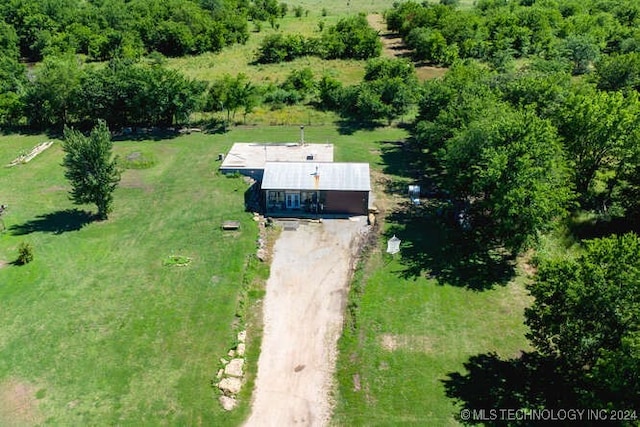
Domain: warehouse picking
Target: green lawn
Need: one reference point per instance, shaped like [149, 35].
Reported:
[96, 326]
[411, 331]
[96, 330]
[410, 334]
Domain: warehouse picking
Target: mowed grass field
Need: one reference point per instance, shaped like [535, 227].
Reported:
[411, 334]
[412, 331]
[96, 330]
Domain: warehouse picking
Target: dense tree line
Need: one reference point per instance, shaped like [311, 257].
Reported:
[513, 152]
[64, 91]
[574, 32]
[350, 38]
[104, 29]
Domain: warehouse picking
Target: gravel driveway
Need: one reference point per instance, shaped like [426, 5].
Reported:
[303, 316]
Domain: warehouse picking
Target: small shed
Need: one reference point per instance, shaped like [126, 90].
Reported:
[296, 188]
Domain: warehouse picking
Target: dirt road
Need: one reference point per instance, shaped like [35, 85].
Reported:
[303, 314]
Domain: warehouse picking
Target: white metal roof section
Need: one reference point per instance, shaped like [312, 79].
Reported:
[316, 176]
[254, 155]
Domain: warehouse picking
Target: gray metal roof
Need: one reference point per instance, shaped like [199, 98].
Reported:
[316, 176]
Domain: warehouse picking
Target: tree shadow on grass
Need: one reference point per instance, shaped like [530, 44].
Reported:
[146, 133]
[406, 159]
[397, 159]
[56, 222]
[598, 227]
[435, 246]
[350, 126]
[491, 384]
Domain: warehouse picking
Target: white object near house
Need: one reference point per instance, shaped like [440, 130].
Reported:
[414, 194]
[393, 245]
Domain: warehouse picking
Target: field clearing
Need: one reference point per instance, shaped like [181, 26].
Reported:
[96, 325]
[411, 335]
[96, 330]
[412, 331]
[236, 59]
[240, 58]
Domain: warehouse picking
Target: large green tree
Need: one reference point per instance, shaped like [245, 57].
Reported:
[232, 93]
[508, 171]
[91, 168]
[586, 315]
[49, 98]
[600, 134]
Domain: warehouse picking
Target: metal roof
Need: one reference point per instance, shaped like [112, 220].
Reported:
[245, 155]
[316, 176]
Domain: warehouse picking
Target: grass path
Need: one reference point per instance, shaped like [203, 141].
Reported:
[393, 47]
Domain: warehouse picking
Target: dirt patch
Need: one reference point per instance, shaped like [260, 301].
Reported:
[393, 47]
[417, 343]
[3, 263]
[303, 316]
[18, 404]
[133, 179]
[525, 262]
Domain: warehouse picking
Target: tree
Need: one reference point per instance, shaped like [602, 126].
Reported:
[582, 50]
[91, 168]
[388, 90]
[600, 133]
[430, 45]
[232, 93]
[586, 315]
[128, 94]
[49, 97]
[13, 79]
[507, 171]
[351, 38]
[615, 72]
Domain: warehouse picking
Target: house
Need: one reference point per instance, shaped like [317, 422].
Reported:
[249, 158]
[294, 188]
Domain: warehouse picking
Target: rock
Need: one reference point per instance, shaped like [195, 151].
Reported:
[231, 353]
[242, 335]
[372, 219]
[261, 255]
[228, 403]
[219, 374]
[240, 349]
[230, 385]
[234, 368]
[223, 361]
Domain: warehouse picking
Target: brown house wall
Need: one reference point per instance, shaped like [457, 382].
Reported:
[346, 202]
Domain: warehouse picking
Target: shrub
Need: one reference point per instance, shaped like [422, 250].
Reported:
[25, 253]
[278, 48]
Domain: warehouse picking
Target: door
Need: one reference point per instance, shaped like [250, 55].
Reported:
[293, 200]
